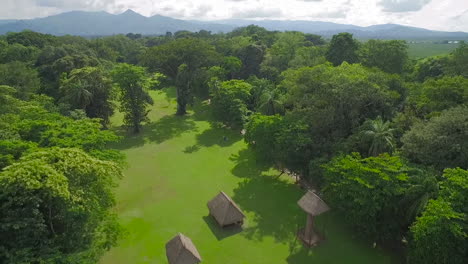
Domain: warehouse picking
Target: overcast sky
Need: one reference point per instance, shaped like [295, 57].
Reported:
[450, 15]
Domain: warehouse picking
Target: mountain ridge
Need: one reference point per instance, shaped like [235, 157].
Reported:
[101, 23]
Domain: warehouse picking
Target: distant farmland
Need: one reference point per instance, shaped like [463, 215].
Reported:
[421, 50]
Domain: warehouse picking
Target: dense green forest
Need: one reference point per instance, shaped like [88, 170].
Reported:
[383, 136]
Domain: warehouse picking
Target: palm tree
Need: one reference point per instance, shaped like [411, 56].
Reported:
[78, 94]
[270, 103]
[424, 187]
[379, 133]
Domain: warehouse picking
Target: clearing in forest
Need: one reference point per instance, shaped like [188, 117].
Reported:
[177, 164]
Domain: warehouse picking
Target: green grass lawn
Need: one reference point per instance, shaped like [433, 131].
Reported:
[422, 50]
[177, 164]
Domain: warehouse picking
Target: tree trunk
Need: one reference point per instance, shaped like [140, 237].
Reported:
[181, 108]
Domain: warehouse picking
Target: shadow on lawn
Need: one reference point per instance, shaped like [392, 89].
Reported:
[248, 165]
[219, 232]
[159, 131]
[216, 135]
[274, 203]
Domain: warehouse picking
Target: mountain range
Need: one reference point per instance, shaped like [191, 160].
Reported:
[83, 23]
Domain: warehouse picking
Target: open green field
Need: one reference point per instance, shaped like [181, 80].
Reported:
[178, 163]
[422, 50]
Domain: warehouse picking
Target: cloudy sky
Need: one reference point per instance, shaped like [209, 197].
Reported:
[450, 15]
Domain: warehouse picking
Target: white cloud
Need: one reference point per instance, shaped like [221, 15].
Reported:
[433, 14]
[403, 5]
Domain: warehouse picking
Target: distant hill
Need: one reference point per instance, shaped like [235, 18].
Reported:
[102, 23]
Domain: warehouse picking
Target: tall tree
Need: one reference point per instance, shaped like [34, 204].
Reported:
[20, 76]
[168, 58]
[440, 234]
[57, 208]
[231, 101]
[134, 99]
[380, 134]
[343, 47]
[368, 192]
[388, 55]
[441, 142]
[89, 89]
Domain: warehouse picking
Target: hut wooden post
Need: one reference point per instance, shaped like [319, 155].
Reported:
[313, 206]
[309, 228]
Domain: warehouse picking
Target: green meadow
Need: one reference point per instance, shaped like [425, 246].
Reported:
[422, 50]
[177, 164]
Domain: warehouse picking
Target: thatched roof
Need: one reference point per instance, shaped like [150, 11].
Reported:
[312, 204]
[225, 210]
[181, 250]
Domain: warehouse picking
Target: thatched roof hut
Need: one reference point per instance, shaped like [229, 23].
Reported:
[312, 204]
[225, 211]
[181, 250]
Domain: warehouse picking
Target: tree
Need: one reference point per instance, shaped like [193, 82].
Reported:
[184, 86]
[18, 52]
[441, 142]
[439, 235]
[231, 101]
[335, 101]
[168, 58]
[20, 76]
[30, 38]
[134, 99]
[388, 55]
[283, 50]
[431, 67]
[434, 96]
[89, 89]
[459, 60]
[308, 57]
[232, 65]
[367, 191]
[343, 47]
[282, 140]
[380, 134]
[271, 102]
[57, 208]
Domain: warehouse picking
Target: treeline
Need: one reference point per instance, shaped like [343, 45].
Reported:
[385, 137]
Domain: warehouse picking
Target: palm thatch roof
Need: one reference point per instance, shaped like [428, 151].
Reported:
[225, 210]
[312, 204]
[181, 250]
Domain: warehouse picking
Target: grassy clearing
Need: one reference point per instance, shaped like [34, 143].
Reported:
[178, 163]
[422, 50]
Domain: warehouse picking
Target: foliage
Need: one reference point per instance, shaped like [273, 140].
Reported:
[440, 234]
[57, 208]
[460, 60]
[434, 96]
[89, 89]
[380, 135]
[336, 101]
[390, 56]
[282, 140]
[431, 67]
[441, 142]
[23, 78]
[308, 57]
[343, 47]
[134, 99]
[231, 101]
[283, 50]
[18, 52]
[367, 192]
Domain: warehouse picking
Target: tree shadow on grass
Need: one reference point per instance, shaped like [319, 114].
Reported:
[159, 131]
[219, 232]
[274, 203]
[248, 165]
